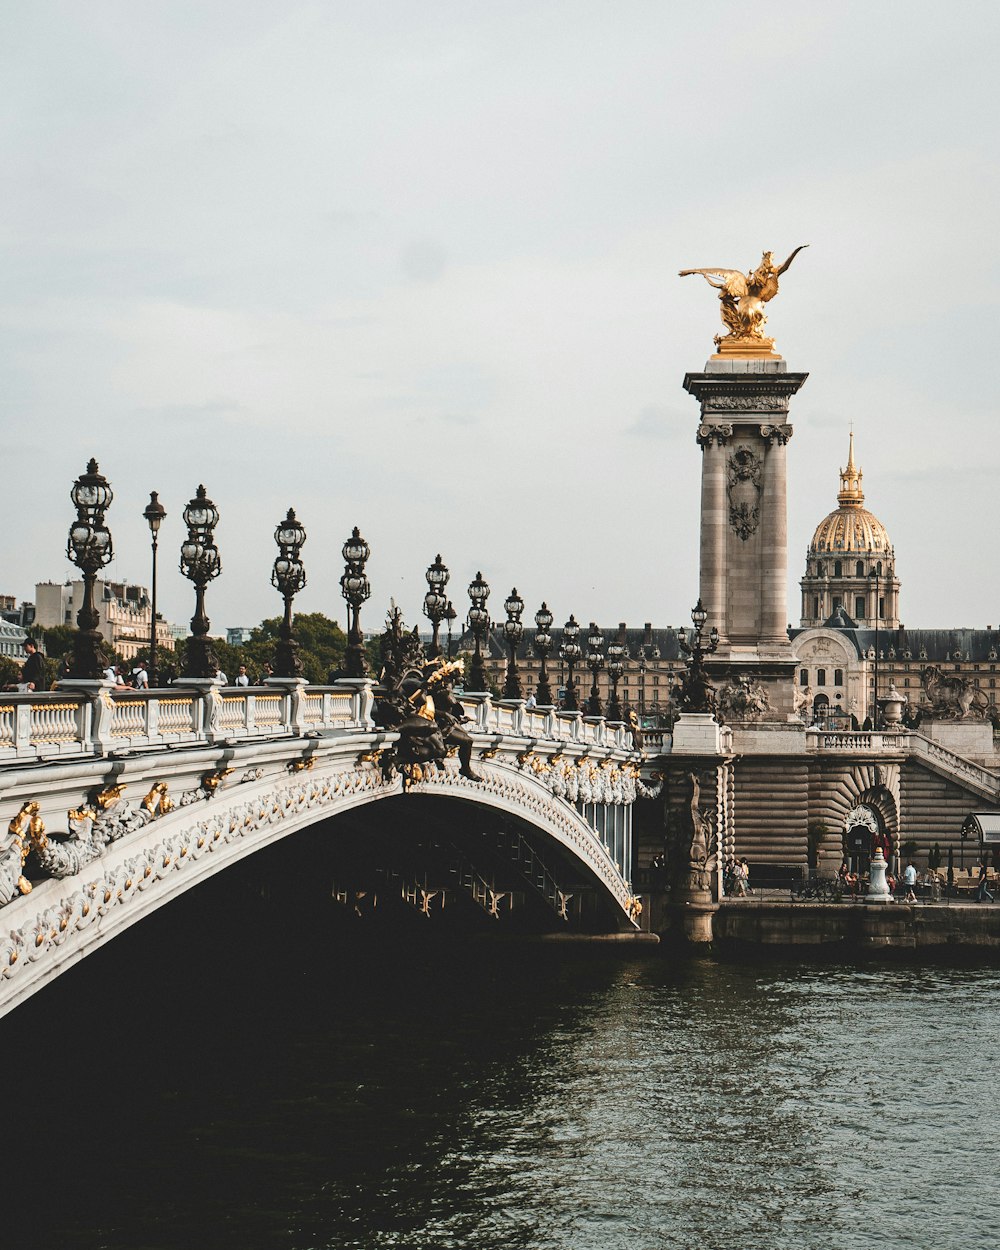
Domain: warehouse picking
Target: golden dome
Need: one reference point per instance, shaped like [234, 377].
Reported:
[852, 528]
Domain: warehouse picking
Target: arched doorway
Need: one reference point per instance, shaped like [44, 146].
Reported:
[864, 828]
[821, 710]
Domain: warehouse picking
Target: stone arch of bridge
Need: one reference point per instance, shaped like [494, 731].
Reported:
[66, 918]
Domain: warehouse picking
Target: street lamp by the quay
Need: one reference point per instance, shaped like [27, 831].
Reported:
[543, 645]
[288, 577]
[90, 549]
[617, 655]
[479, 623]
[513, 632]
[200, 563]
[436, 601]
[355, 589]
[595, 662]
[570, 652]
[154, 515]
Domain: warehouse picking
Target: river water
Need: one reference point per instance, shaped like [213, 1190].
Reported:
[340, 1092]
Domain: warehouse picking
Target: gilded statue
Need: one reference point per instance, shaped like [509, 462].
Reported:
[743, 296]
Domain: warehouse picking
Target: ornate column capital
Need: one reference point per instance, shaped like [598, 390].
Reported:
[776, 434]
[720, 432]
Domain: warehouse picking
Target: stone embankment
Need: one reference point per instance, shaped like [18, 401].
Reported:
[767, 923]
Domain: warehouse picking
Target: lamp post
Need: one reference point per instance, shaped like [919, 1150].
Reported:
[543, 645]
[875, 578]
[154, 514]
[450, 615]
[355, 589]
[288, 577]
[697, 693]
[200, 563]
[513, 632]
[617, 655]
[595, 662]
[570, 652]
[436, 601]
[479, 623]
[90, 549]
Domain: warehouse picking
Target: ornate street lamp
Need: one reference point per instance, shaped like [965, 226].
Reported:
[570, 653]
[436, 601]
[697, 694]
[513, 632]
[355, 589]
[543, 645]
[450, 615]
[288, 577]
[200, 563]
[479, 623]
[154, 514]
[595, 662]
[617, 655]
[89, 547]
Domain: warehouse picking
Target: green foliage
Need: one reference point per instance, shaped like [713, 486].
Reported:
[934, 857]
[815, 833]
[909, 848]
[10, 672]
[55, 642]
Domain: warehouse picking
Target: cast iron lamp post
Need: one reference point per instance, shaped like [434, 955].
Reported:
[595, 662]
[90, 549]
[154, 514]
[513, 632]
[617, 655]
[570, 652]
[697, 693]
[200, 563]
[355, 589]
[288, 577]
[436, 601]
[543, 645]
[449, 615]
[479, 623]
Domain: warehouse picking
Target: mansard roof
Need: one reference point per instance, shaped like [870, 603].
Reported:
[922, 646]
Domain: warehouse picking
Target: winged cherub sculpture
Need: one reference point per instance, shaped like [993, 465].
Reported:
[743, 296]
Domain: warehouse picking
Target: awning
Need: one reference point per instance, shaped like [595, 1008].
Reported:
[983, 825]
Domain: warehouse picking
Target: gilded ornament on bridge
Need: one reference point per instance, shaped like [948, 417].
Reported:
[742, 297]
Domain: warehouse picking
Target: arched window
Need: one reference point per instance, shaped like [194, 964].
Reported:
[859, 569]
[838, 676]
[821, 677]
[804, 677]
[838, 570]
[821, 569]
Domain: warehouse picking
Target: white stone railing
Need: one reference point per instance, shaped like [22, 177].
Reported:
[99, 720]
[906, 742]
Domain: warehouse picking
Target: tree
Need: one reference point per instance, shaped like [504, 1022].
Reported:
[322, 644]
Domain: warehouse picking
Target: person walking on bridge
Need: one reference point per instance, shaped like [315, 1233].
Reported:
[982, 894]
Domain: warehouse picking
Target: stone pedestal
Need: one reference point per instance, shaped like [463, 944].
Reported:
[699, 733]
[743, 434]
[878, 887]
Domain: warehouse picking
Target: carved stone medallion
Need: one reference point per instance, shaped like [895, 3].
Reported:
[744, 492]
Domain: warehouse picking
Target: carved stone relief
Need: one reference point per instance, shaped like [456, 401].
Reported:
[744, 492]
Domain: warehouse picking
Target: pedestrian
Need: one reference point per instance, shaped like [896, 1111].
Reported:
[745, 876]
[910, 880]
[982, 894]
[221, 679]
[266, 672]
[33, 670]
[530, 701]
[241, 677]
[140, 678]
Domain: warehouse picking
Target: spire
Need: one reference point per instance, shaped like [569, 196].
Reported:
[850, 494]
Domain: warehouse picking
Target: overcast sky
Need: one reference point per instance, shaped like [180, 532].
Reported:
[413, 267]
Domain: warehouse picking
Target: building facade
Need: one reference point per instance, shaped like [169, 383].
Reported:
[124, 611]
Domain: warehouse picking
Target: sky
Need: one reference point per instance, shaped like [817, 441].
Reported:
[413, 267]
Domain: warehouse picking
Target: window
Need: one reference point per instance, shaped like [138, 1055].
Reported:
[804, 677]
[838, 602]
[821, 569]
[859, 607]
[837, 569]
[906, 682]
[881, 609]
[838, 676]
[816, 606]
[821, 677]
[859, 569]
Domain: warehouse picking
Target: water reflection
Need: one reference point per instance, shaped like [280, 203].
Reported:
[496, 1096]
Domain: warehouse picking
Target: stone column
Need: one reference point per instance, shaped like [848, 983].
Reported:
[712, 439]
[774, 543]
